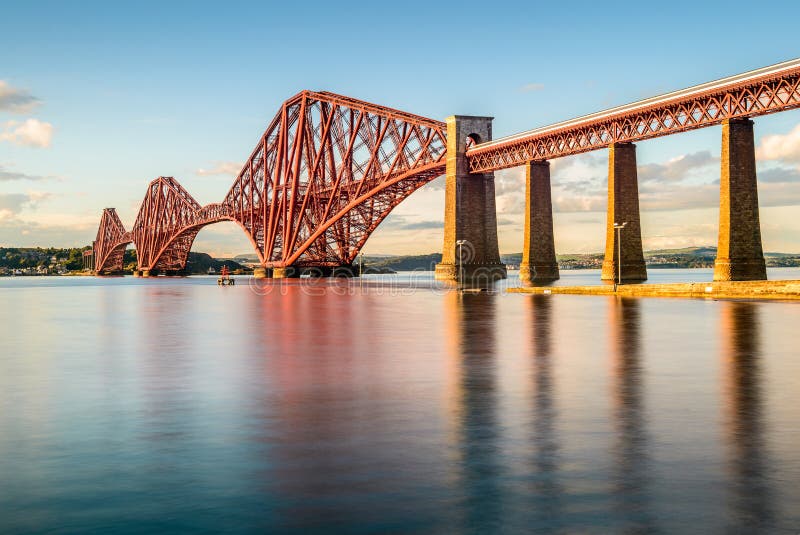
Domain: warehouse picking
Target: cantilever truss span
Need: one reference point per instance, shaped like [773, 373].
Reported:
[322, 177]
[112, 239]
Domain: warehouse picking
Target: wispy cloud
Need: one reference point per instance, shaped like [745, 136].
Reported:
[7, 175]
[778, 175]
[30, 132]
[221, 169]
[528, 88]
[16, 100]
[69, 231]
[404, 222]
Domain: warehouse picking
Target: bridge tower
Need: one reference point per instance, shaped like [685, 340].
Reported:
[623, 207]
[739, 252]
[538, 251]
[470, 215]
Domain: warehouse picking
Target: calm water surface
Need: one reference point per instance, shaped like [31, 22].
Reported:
[134, 405]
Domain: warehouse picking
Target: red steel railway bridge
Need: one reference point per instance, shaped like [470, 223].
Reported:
[328, 169]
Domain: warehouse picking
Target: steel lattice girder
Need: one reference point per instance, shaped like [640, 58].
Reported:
[165, 226]
[323, 176]
[326, 172]
[767, 90]
[110, 243]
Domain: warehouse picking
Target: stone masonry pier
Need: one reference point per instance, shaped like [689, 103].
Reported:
[470, 216]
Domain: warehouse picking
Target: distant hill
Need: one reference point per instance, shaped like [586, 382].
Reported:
[198, 264]
[426, 262]
[246, 258]
[691, 251]
[687, 257]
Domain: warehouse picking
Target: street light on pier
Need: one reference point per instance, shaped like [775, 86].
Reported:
[460, 243]
[618, 227]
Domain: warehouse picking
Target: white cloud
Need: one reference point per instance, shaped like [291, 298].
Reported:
[784, 147]
[16, 100]
[30, 132]
[528, 88]
[678, 168]
[221, 168]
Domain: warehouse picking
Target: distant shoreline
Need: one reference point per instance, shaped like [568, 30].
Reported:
[37, 261]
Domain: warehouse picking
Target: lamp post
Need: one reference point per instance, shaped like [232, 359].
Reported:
[618, 227]
[460, 243]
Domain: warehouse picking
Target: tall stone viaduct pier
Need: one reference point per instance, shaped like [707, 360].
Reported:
[730, 102]
[329, 169]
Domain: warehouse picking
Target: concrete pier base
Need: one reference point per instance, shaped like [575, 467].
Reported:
[739, 252]
[260, 273]
[294, 272]
[623, 207]
[471, 274]
[288, 272]
[470, 214]
[146, 273]
[538, 250]
[137, 273]
[538, 273]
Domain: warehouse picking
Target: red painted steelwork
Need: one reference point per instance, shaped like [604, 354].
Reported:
[109, 246]
[323, 176]
[767, 90]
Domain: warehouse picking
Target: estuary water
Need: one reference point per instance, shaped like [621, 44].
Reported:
[393, 405]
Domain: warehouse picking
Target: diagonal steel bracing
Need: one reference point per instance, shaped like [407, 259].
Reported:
[322, 177]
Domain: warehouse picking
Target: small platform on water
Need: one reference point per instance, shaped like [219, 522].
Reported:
[783, 290]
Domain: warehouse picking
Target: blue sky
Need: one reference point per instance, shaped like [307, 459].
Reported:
[97, 99]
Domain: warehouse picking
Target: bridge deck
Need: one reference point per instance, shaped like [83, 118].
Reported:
[742, 95]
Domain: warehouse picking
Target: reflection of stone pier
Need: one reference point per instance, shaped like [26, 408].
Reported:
[750, 500]
[546, 447]
[631, 484]
[476, 425]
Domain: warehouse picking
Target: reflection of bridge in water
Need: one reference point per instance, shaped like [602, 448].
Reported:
[492, 489]
[329, 169]
[751, 497]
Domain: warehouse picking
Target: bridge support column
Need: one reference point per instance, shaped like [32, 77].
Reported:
[288, 272]
[293, 272]
[260, 273]
[145, 273]
[739, 253]
[538, 250]
[470, 214]
[623, 207]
